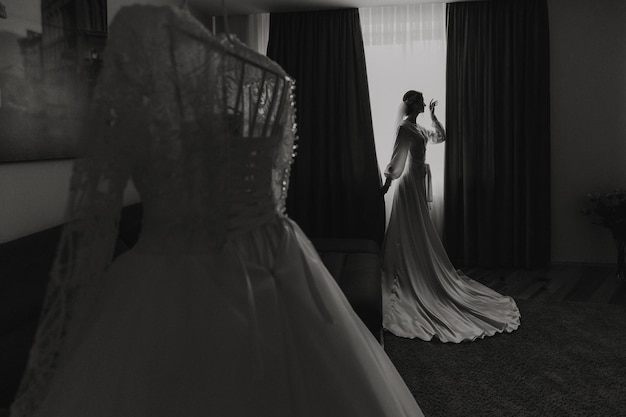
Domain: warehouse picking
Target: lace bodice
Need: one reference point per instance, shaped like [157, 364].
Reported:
[211, 122]
[205, 128]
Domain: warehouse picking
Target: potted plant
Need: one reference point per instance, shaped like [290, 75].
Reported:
[609, 210]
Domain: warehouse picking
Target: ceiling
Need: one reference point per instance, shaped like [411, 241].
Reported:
[234, 7]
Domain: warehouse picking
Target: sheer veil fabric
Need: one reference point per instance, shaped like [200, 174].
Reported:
[223, 307]
[423, 295]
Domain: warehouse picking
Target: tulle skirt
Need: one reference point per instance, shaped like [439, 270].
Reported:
[424, 296]
[258, 328]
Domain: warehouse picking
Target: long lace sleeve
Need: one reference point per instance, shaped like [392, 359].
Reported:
[400, 152]
[437, 134]
[87, 241]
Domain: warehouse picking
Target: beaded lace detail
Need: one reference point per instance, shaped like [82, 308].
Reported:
[205, 128]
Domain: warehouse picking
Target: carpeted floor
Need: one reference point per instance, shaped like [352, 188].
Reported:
[566, 359]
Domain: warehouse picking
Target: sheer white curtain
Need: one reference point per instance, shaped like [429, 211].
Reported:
[405, 49]
[252, 29]
[259, 32]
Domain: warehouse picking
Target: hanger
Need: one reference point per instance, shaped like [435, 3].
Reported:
[239, 50]
[226, 27]
[265, 65]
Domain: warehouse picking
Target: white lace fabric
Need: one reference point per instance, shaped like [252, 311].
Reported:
[202, 111]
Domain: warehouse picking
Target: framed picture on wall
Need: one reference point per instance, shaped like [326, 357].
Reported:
[50, 56]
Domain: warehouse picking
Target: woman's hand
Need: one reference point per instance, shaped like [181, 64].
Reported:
[385, 187]
[431, 107]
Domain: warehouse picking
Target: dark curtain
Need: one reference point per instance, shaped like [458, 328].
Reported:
[335, 180]
[497, 177]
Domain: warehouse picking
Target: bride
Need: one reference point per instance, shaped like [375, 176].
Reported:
[423, 295]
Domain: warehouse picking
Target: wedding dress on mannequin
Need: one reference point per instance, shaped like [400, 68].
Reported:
[222, 308]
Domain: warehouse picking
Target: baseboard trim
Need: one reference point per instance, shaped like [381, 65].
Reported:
[587, 264]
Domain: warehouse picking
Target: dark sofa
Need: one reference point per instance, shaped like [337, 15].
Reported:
[25, 263]
[356, 266]
[24, 267]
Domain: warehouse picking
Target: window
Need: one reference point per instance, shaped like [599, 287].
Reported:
[405, 49]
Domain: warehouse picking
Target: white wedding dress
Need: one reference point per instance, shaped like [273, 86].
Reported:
[424, 296]
[223, 308]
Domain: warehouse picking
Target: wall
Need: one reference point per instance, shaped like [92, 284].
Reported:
[33, 196]
[588, 108]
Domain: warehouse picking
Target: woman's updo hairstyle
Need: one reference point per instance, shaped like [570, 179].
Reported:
[410, 98]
